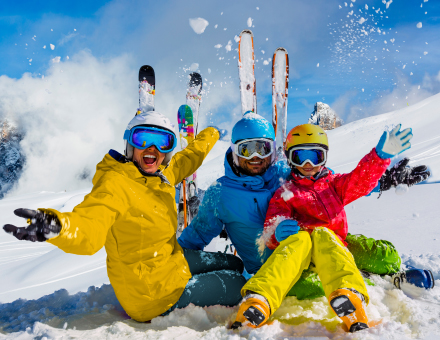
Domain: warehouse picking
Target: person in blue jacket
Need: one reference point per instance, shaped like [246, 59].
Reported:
[238, 202]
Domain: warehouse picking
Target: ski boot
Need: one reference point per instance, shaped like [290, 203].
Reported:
[254, 311]
[348, 304]
[418, 277]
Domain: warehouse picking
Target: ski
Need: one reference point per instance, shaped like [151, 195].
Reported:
[194, 97]
[246, 72]
[185, 120]
[280, 86]
[147, 85]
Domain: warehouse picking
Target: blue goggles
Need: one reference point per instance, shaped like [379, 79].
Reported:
[301, 155]
[142, 137]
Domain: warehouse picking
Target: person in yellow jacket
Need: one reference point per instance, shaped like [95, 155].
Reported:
[132, 211]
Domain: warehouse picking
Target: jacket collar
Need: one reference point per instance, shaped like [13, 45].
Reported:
[254, 182]
[297, 176]
[125, 165]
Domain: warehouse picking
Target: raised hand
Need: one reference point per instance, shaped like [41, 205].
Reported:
[42, 226]
[394, 142]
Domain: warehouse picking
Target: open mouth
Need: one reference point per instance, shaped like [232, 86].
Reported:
[149, 159]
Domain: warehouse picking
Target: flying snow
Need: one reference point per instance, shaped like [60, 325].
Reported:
[56, 59]
[249, 22]
[52, 47]
[194, 67]
[198, 25]
[419, 25]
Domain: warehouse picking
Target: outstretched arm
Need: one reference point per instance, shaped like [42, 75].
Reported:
[362, 180]
[81, 232]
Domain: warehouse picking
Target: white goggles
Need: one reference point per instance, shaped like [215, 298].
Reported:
[250, 148]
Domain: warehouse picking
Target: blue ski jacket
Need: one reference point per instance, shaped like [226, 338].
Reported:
[239, 203]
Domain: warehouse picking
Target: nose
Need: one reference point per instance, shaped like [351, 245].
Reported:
[151, 148]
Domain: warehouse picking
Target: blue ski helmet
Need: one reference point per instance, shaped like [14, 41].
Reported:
[252, 126]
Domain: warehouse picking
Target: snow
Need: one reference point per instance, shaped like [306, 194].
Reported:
[52, 47]
[198, 25]
[419, 25]
[61, 304]
[249, 22]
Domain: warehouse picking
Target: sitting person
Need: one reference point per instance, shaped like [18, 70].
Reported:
[131, 210]
[306, 224]
[236, 205]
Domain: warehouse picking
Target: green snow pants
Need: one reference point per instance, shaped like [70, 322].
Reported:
[373, 256]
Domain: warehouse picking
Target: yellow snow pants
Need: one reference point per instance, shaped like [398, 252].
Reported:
[332, 261]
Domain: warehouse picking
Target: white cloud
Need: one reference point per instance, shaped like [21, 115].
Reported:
[71, 119]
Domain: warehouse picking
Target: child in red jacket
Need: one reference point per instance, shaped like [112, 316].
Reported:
[306, 225]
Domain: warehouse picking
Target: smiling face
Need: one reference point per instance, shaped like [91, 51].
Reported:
[254, 166]
[308, 169]
[148, 159]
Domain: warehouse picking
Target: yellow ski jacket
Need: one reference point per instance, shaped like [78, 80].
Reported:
[135, 217]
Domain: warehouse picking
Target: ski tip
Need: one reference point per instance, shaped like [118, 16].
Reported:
[246, 31]
[146, 71]
[195, 79]
[281, 49]
[184, 107]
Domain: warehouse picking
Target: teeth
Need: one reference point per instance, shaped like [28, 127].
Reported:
[149, 156]
[255, 162]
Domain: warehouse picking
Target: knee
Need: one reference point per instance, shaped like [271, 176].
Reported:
[302, 237]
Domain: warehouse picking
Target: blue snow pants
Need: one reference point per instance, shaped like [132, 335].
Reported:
[216, 280]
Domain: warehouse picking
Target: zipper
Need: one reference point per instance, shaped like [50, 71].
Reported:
[257, 207]
[320, 201]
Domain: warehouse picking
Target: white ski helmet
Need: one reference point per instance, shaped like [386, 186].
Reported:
[153, 119]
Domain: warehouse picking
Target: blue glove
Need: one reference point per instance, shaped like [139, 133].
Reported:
[394, 142]
[285, 229]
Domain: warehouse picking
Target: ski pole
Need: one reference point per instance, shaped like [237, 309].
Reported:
[184, 203]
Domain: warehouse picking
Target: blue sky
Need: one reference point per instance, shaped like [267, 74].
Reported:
[358, 74]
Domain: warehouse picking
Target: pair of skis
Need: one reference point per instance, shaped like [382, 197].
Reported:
[280, 84]
[187, 117]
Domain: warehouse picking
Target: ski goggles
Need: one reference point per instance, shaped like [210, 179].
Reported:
[142, 137]
[249, 148]
[315, 155]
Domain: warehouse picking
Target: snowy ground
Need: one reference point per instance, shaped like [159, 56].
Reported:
[411, 221]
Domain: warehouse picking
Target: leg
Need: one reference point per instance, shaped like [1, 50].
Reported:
[374, 256]
[265, 291]
[214, 288]
[200, 261]
[342, 282]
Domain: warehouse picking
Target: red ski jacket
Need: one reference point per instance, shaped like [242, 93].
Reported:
[320, 203]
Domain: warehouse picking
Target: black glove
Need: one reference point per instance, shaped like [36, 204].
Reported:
[42, 226]
[401, 173]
